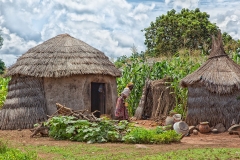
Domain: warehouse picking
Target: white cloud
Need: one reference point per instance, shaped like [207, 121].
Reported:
[191, 4]
[13, 46]
[112, 26]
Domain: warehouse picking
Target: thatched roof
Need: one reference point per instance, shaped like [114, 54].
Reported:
[60, 56]
[220, 74]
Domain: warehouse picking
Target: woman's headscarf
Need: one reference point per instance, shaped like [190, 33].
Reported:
[130, 84]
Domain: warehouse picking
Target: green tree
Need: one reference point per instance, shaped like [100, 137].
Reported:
[230, 45]
[2, 67]
[187, 29]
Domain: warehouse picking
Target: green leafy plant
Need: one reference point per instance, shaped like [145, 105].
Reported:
[68, 127]
[3, 90]
[151, 136]
[64, 127]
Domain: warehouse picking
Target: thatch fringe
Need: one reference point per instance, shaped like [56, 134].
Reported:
[63, 56]
[206, 106]
[25, 104]
[21, 118]
[219, 75]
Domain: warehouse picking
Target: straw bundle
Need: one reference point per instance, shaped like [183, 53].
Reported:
[158, 101]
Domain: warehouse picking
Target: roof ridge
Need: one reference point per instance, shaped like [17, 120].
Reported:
[217, 46]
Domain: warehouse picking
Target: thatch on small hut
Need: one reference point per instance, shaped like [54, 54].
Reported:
[61, 70]
[157, 100]
[28, 93]
[213, 89]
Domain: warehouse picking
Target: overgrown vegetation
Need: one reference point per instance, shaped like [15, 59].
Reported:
[69, 128]
[7, 153]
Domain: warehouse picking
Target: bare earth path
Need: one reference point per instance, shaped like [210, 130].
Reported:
[15, 137]
[200, 140]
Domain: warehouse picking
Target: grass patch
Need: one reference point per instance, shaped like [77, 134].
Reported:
[115, 151]
[83, 151]
[7, 153]
[198, 154]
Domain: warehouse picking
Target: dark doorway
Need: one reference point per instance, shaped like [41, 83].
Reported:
[98, 98]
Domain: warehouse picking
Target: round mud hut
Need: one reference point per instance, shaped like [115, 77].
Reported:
[214, 89]
[61, 70]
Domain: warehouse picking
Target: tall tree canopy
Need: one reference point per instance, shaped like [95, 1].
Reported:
[171, 32]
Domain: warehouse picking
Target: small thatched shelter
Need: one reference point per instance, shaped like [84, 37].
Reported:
[214, 89]
[156, 101]
[61, 70]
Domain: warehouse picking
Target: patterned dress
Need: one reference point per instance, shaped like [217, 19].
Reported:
[121, 111]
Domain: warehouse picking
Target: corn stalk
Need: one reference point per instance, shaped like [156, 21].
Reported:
[137, 70]
[3, 90]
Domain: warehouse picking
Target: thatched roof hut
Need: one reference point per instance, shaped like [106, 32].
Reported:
[213, 89]
[61, 70]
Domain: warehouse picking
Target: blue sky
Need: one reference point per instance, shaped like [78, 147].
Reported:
[112, 26]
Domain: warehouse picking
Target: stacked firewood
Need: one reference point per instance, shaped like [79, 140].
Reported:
[80, 114]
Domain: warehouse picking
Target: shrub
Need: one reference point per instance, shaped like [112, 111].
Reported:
[67, 127]
[151, 136]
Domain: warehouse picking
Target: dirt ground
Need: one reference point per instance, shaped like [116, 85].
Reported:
[193, 141]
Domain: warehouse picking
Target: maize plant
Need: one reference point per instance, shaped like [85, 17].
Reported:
[137, 70]
[3, 90]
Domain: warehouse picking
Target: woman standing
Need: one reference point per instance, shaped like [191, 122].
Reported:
[121, 111]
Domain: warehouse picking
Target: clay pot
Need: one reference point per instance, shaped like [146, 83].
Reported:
[204, 127]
